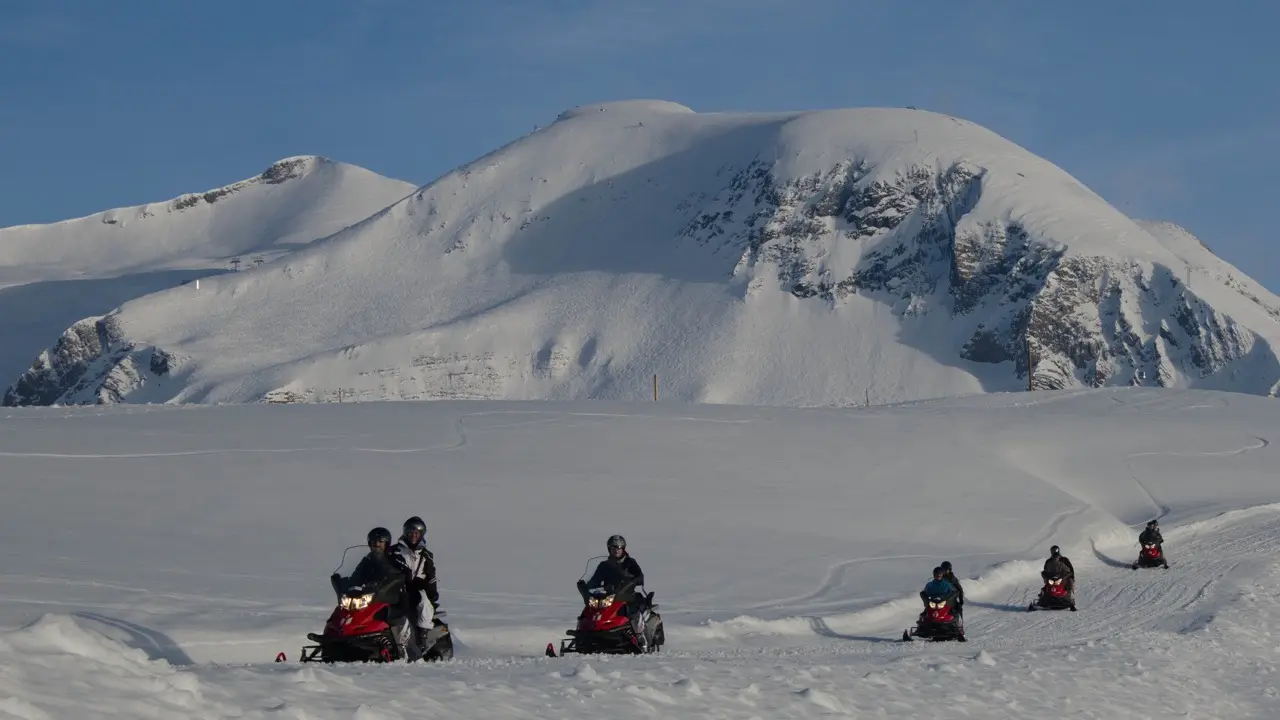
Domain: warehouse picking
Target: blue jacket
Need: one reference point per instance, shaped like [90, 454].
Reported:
[939, 588]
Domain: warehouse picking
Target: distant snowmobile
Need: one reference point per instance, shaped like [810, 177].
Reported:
[1151, 555]
[1054, 595]
[937, 622]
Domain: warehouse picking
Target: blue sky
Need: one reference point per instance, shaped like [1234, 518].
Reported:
[1167, 108]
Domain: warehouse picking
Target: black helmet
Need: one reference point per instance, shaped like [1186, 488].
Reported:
[376, 534]
[415, 523]
[946, 566]
[1153, 523]
[1055, 551]
[617, 541]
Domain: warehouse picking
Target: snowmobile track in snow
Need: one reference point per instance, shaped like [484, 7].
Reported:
[1113, 598]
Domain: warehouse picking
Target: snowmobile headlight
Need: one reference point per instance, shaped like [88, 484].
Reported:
[358, 602]
[1149, 546]
[935, 604]
[1055, 582]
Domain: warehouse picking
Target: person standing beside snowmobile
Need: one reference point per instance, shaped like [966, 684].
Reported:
[950, 577]
[378, 564]
[1059, 564]
[420, 568]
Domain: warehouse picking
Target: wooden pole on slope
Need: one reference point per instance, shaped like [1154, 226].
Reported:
[1028, 362]
[655, 387]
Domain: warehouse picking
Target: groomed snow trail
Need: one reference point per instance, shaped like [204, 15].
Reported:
[1207, 560]
[1196, 640]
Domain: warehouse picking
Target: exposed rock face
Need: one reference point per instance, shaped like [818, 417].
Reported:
[1091, 321]
[1099, 322]
[280, 172]
[90, 364]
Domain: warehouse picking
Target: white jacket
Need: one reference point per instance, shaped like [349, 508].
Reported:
[422, 566]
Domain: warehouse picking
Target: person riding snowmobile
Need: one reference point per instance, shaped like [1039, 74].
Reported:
[620, 561]
[938, 587]
[950, 577]
[423, 594]
[378, 564]
[1152, 535]
[1059, 564]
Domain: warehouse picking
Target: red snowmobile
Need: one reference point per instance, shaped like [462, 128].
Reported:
[370, 625]
[1054, 595]
[938, 622]
[1151, 555]
[607, 621]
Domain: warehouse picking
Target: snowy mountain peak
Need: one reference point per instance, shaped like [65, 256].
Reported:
[280, 172]
[225, 221]
[626, 107]
[799, 258]
[52, 276]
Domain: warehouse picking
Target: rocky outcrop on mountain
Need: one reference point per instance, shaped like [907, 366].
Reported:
[1061, 321]
[279, 172]
[91, 363]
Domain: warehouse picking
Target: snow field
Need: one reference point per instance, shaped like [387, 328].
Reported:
[156, 558]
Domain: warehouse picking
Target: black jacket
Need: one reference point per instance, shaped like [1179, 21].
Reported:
[951, 578]
[626, 565]
[1151, 535]
[373, 568]
[1061, 565]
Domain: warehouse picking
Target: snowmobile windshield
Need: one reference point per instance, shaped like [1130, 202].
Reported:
[606, 578]
[360, 574]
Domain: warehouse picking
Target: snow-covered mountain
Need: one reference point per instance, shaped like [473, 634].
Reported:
[790, 258]
[52, 276]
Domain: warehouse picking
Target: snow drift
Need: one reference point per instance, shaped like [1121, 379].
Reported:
[813, 258]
